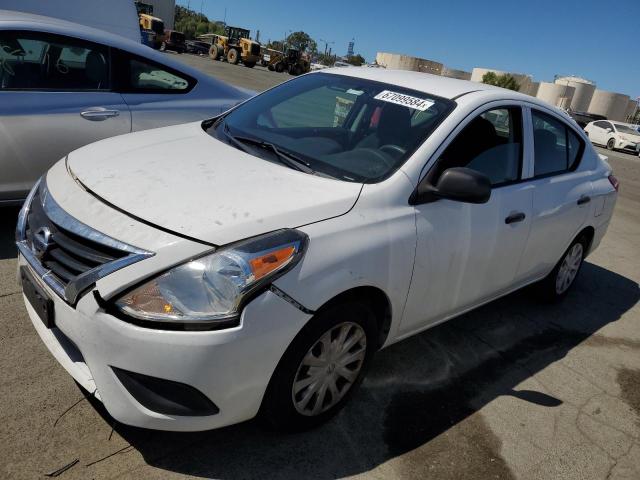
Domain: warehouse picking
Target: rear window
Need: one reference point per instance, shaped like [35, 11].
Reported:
[557, 148]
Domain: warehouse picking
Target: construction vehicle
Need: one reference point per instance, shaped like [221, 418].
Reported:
[153, 27]
[292, 61]
[234, 46]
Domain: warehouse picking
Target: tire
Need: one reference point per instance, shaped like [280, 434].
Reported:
[279, 67]
[553, 288]
[611, 144]
[271, 68]
[214, 52]
[285, 408]
[249, 64]
[233, 57]
[296, 70]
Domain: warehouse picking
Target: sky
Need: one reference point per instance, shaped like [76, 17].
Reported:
[541, 38]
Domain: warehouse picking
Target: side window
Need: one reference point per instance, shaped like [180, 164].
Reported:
[490, 144]
[601, 124]
[42, 61]
[144, 76]
[557, 148]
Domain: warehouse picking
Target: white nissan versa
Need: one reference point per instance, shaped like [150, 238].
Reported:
[194, 276]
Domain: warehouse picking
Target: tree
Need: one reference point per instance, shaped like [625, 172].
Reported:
[303, 42]
[504, 80]
[192, 24]
[356, 60]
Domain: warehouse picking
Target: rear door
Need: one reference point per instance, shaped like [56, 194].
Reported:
[55, 96]
[561, 194]
[159, 95]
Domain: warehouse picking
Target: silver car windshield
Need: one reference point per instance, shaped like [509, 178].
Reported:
[349, 128]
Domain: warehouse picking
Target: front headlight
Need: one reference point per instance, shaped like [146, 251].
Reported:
[211, 290]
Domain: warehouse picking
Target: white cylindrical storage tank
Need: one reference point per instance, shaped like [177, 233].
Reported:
[523, 80]
[631, 109]
[405, 62]
[556, 95]
[610, 104]
[583, 92]
[453, 73]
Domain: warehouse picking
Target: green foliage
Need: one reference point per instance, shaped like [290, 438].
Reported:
[356, 60]
[504, 81]
[192, 24]
[302, 41]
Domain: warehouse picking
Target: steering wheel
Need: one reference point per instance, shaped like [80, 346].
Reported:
[393, 150]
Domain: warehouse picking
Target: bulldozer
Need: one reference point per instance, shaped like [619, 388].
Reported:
[292, 61]
[236, 46]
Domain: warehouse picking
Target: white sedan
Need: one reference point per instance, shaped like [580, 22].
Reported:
[195, 276]
[614, 135]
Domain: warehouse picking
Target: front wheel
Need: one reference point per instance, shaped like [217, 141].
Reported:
[611, 144]
[556, 285]
[233, 57]
[322, 367]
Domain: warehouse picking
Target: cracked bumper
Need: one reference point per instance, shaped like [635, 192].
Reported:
[231, 367]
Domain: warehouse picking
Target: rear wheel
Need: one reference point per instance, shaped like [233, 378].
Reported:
[279, 67]
[322, 367]
[556, 285]
[611, 144]
[233, 57]
[213, 52]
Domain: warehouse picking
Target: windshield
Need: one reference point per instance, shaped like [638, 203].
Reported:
[348, 128]
[626, 129]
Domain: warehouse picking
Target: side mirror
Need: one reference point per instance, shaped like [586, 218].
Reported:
[459, 184]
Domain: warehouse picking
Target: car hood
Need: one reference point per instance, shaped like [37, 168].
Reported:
[183, 180]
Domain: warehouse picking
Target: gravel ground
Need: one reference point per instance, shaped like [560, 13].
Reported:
[513, 390]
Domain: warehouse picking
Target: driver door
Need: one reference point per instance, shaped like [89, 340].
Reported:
[469, 253]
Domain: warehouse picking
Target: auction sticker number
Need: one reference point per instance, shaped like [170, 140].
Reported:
[404, 100]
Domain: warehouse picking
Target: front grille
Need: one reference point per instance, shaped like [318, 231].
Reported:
[66, 254]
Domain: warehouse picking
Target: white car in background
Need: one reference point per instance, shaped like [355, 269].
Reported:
[64, 85]
[614, 135]
[194, 276]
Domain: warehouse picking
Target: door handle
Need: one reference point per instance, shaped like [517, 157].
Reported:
[98, 114]
[515, 218]
[584, 199]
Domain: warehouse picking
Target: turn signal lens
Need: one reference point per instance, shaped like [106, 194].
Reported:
[615, 183]
[267, 263]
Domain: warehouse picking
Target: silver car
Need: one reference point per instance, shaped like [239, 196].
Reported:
[64, 85]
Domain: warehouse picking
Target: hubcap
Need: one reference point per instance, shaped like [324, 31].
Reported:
[329, 369]
[569, 268]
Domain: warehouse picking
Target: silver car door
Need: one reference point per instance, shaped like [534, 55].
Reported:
[55, 96]
[159, 95]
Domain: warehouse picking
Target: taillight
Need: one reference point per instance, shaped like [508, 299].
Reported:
[614, 182]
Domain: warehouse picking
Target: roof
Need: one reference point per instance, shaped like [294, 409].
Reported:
[424, 82]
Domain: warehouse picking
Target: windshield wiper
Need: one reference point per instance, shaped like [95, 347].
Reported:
[286, 158]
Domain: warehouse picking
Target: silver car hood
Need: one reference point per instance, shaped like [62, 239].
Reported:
[183, 180]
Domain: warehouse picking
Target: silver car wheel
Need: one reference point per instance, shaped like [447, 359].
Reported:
[329, 369]
[569, 268]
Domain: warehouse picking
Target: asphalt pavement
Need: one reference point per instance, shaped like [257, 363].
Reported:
[513, 390]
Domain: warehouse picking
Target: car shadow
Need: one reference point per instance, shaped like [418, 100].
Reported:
[417, 394]
[9, 217]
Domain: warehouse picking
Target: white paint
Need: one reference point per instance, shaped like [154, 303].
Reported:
[433, 261]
